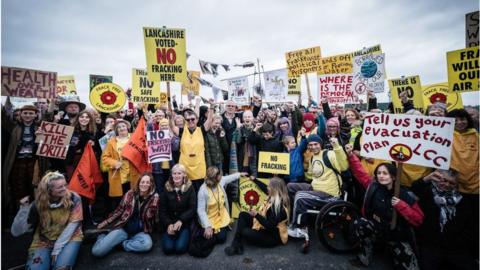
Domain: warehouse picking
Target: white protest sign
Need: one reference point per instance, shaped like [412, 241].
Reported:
[276, 85]
[159, 146]
[337, 88]
[369, 73]
[238, 90]
[421, 140]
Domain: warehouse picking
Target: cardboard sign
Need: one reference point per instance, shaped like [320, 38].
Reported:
[342, 63]
[303, 61]
[369, 73]
[28, 83]
[54, 140]
[463, 70]
[438, 92]
[159, 146]
[276, 84]
[163, 98]
[420, 140]
[250, 196]
[294, 88]
[66, 86]
[337, 88]
[191, 84]
[414, 92]
[276, 163]
[108, 97]
[238, 90]
[471, 29]
[144, 90]
[166, 54]
[98, 79]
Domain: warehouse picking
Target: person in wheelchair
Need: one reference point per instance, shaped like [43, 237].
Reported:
[378, 211]
[325, 186]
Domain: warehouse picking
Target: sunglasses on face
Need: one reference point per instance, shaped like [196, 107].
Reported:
[191, 119]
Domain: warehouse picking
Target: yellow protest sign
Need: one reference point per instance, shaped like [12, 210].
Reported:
[438, 92]
[276, 163]
[251, 195]
[163, 98]
[191, 84]
[66, 86]
[463, 70]
[303, 61]
[166, 54]
[144, 90]
[108, 97]
[294, 88]
[342, 63]
[414, 92]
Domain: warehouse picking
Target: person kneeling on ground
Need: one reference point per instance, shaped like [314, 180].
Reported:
[132, 221]
[268, 227]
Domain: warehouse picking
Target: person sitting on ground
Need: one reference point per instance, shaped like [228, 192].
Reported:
[132, 222]
[268, 226]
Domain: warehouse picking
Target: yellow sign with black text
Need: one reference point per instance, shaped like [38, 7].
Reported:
[251, 195]
[303, 61]
[463, 70]
[276, 163]
[108, 97]
[191, 84]
[144, 90]
[413, 88]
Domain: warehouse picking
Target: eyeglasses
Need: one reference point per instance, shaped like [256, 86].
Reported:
[191, 119]
[332, 126]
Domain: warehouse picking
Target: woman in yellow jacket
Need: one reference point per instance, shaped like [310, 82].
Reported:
[122, 175]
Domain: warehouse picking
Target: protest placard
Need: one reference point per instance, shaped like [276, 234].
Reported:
[276, 85]
[463, 70]
[144, 90]
[166, 54]
[251, 197]
[107, 97]
[369, 73]
[104, 140]
[191, 84]
[238, 90]
[438, 92]
[471, 29]
[54, 140]
[294, 86]
[414, 92]
[159, 146]
[276, 163]
[420, 140]
[376, 49]
[66, 86]
[303, 61]
[337, 88]
[28, 83]
[98, 79]
[19, 102]
[342, 63]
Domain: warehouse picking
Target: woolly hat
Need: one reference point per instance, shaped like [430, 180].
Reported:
[314, 138]
[309, 116]
[333, 121]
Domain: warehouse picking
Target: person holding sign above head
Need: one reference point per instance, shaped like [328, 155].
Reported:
[268, 226]
[122, 175]
[378, 210]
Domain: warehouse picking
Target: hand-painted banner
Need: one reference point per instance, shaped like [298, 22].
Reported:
[28, 83]
[294, 86]
[144, 90]
[66, 86]
[369, 73]
[276, 163]
[337, 88]
[439, 93]
[420, 140]
[472, 29]
[98, 79]
[303, 61]
[276, 85]
[251, 196]
[159, 146]
[238, 90]
[463, 70]
[191, 84]
[54, 140]
[342, 63]
[108, 97]
[166, 54]
[414, 91]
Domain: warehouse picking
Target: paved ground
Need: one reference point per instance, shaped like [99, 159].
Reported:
[283, 257]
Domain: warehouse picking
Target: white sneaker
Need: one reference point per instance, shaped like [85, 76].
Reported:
[298, 232]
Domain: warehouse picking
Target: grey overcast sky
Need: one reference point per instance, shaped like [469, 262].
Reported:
[105, 36]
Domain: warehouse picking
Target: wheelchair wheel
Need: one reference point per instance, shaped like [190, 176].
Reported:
[334, 226]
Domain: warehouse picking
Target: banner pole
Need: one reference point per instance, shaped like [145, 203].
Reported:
[168, 97]
[308, 87]
[396, 193]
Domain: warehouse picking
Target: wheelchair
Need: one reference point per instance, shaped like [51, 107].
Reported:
[334, 225]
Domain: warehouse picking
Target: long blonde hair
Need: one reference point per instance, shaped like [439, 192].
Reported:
[278, 196]
[42, 198]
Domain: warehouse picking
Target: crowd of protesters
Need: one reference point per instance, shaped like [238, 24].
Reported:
[189, 198]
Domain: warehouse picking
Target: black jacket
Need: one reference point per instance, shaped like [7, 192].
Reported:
[182, 207]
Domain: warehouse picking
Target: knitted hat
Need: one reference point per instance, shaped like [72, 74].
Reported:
[309, 116]
[314, 138]
[333, 121]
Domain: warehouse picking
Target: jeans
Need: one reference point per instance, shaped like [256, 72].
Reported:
[176, 244]
[140, 242]
[39, 259]
[221, 236]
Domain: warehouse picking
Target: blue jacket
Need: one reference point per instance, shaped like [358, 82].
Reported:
[296, 161]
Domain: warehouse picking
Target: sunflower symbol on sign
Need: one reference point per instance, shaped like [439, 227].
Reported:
[108, 97]
[251, 197]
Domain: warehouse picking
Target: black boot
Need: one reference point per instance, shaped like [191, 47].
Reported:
[236, 248]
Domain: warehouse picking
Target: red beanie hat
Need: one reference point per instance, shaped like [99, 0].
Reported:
[309, 116]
